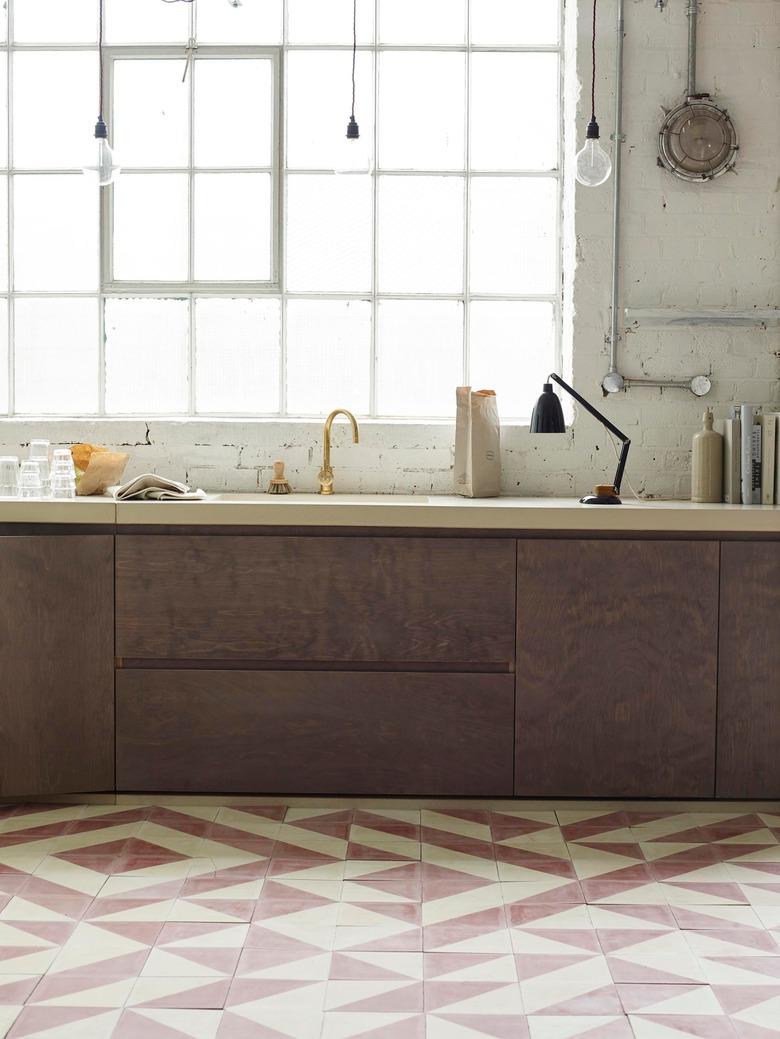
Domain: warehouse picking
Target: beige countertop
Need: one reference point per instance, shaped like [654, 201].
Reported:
[413, 511]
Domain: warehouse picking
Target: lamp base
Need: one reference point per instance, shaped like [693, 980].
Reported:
[604, 494]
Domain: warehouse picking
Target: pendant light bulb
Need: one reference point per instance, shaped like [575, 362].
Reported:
[593, 163]
[105, 168]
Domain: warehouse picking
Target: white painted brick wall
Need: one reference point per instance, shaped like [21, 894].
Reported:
[714, 245]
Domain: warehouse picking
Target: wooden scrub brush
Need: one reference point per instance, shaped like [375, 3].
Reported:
[279, 484]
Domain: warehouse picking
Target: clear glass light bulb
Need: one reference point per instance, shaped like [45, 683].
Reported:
[352, 153]
[593, 164]
[106, 167]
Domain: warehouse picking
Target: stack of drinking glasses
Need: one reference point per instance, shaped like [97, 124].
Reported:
[36, 477]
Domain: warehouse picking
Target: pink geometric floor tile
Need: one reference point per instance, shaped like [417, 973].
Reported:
[476, 1026]
[375, 996]
[17, 988]
[648, 1026]
[677, 1000]
[67, 990]
[463, 966]
[385, 966]
[157, 1023]
[706, 918]
[573, 1027]
[84, 1022]
[478, 997]
[746, 1030]
[179, 993]
[373, 1026]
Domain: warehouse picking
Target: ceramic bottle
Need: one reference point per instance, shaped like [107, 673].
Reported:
[707, 463]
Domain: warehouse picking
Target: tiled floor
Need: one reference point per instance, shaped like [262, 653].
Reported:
[255, 922]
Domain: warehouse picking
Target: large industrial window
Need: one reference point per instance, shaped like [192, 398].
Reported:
[229, 270]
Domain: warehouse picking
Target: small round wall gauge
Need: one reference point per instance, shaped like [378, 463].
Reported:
[701, 385]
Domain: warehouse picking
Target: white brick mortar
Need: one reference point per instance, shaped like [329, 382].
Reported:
[713, 245]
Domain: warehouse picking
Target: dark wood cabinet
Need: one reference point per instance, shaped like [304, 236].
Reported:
[308, 600]
[315, 732]
[749, 671]
[57, 650]
[616, 668]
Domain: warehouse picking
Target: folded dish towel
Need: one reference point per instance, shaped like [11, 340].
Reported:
[150, 487]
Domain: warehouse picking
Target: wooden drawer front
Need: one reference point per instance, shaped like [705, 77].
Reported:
[315, 732]
[749, 672]
[616, 668]
[399, 600]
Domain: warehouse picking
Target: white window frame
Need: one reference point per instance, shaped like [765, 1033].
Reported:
[107, 287]
[109, 284]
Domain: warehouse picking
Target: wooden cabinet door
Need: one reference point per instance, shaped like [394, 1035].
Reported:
[308, 600]
[57, 658]
[315, 732]
[616, 668]
[749, 671]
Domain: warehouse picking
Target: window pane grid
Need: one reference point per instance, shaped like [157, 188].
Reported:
[375, 295]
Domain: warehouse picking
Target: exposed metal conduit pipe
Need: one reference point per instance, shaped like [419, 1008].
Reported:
[693, 19]
[614, 381]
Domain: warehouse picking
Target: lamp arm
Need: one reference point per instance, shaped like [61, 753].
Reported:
[626, 442]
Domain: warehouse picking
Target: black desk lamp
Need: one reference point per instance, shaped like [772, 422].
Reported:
[547, 417]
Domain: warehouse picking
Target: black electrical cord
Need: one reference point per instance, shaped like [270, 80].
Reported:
[354, 52]
[593, 66]
[100, 60]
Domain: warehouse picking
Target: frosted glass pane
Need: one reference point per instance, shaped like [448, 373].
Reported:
[533, 142]
[151, 113]
[54, 109]
[250, 23]
[3, 109]
[328, 355]
[420, 234]
[314, 21]
[511, 22]
[233, 112]
[233, 226]
[56, 356]
[150, 227]
[318, 105]
[422, 100]
[146, 356]
[329, 233]
[3, 356]
[237, 355]
[3, 234]
[512, 351]
[147, 21]
[422, 21]
[55, 21]
[55, 233]
[420, 357]
[514, 235]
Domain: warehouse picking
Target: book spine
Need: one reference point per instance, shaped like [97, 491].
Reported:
[746, 454]
[768, 452]
[730, 429]
[755, 465]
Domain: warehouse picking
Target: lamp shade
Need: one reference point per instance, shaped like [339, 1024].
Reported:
[547, 415]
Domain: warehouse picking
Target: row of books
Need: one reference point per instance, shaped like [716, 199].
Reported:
[751, 456]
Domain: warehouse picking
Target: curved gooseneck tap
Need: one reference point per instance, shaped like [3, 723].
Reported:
[325, 475]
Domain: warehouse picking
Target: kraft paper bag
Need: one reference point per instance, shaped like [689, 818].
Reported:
[477, 444]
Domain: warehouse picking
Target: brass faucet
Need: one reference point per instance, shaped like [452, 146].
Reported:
[325, 475]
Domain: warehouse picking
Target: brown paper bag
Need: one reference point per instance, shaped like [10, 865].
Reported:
[97, 468]
[477, 444]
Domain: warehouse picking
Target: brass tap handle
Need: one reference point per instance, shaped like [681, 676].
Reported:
[325, 476]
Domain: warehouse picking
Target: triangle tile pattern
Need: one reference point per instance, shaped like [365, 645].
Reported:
[241, 921]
